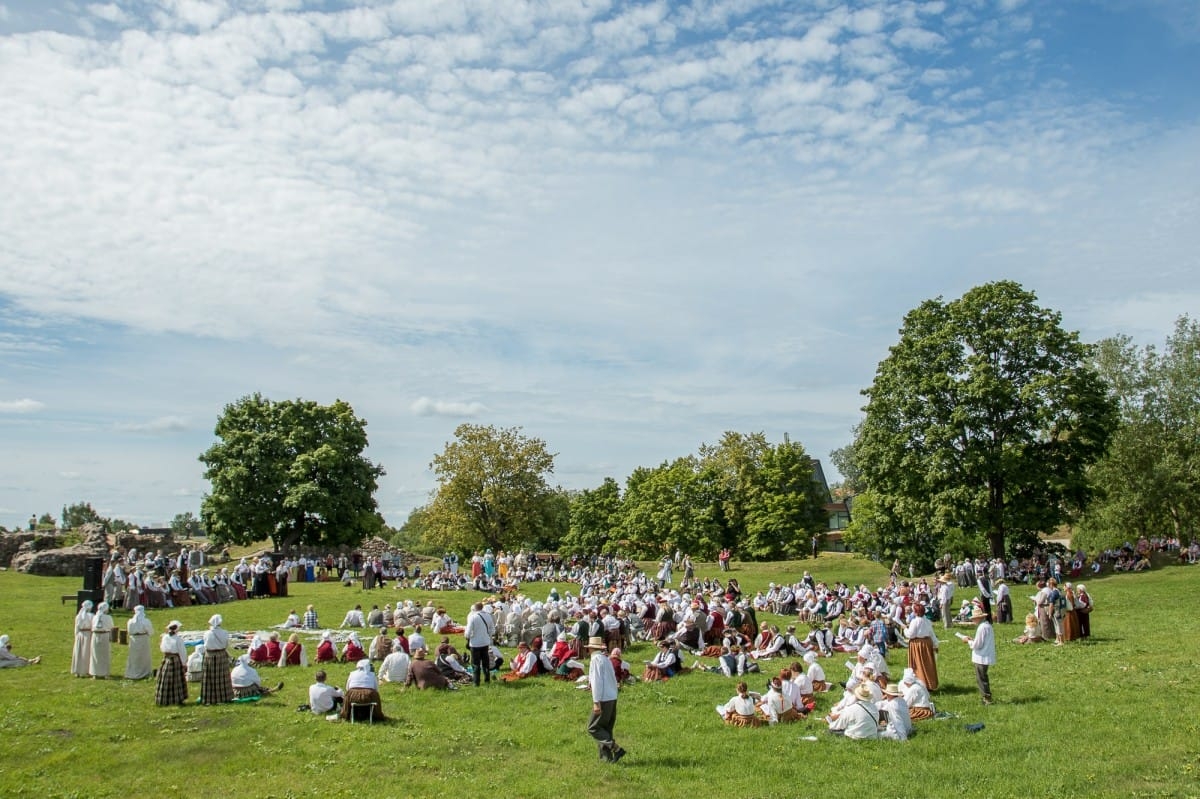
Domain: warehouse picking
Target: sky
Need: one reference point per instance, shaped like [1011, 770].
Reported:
[623, 227]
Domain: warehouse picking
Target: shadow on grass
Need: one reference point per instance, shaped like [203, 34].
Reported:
[955, 690]
[1022, 700]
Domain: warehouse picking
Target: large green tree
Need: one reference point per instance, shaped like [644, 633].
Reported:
[668, 508]
[492, 491]
[292, 471]
[595, 518]
[786, 505]
[981, 422]
[1149, 481]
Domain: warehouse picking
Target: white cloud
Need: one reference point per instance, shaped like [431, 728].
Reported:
[162, 424]
[918, 39]
[424, 406]
[21, 406]
[70, 475]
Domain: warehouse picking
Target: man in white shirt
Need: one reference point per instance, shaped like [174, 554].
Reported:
[602, 679]
[858, 718]
[946, 599]
[478, 632]
[322, 697]
[983, 653]
[354, 617]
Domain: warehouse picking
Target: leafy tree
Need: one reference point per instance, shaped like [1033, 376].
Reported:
[492, 491]
[185, 525]
[785, 507]
[843, 459]
[732, 475]
[668, 508]
[292, 471]
[1149, 481]
[981, 421]
[79, 514]
[44, 522]
[595, 518]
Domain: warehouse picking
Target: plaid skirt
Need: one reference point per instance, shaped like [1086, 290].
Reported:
[172, 687]
[216, 687]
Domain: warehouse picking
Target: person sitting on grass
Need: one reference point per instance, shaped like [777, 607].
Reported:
[857, 716]
[293, 653]
[741, 709]
[816, 673]
[362, 688]
[664, 665]
[524, 664]
[353, 651]
[916, 697]
[423, 673]
[899, 722]
[8, 660]
[246, 681]
[1032, 632]
[394, 668]
[322, 697]
[326, 651]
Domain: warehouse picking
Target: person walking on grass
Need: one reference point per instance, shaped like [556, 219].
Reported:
[603, 681]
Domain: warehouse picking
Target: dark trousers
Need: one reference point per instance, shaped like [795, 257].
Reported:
[1085, 623]
[981, 679]
[600, 726]
[479, 664]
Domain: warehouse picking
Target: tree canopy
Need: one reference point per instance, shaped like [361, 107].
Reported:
[980, 426]
[492, 492]
[1149, 481]
[292, 471]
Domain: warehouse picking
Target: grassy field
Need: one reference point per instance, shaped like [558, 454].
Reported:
[1115, 716]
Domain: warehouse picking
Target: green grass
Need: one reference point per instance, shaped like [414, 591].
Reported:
[1116, 716]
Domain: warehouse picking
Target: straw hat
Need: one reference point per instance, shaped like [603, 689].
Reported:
[862, 691]
[595, 642]
[892, 689]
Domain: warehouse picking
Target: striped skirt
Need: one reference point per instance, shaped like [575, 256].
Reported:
[920, 713]
[216, 687]
[172, 687]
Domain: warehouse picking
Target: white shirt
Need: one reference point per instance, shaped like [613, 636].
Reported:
[478, 631]
[394, 667]
[321, 696]
[742, 705]
[857, 720]
[899, 724]
[983, 645]
[602, 678]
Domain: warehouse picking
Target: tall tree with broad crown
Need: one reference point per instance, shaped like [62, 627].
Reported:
[292, 471]
[982, 420]
[492, 491]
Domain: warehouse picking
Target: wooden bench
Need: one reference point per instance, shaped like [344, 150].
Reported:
[68, 597]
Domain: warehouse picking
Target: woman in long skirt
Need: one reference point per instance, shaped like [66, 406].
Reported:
[81, 655]
[172, 683]
[102, 627]
[216, 687]
[138, 665]
[922, 648]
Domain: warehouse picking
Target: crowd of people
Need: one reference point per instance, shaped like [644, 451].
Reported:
[703, 626]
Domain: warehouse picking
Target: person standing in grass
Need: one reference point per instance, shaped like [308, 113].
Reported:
[102, 627]
[602, 679]
[983, 652]
[171, 688]
[216, 687]
[138, 665]
[922, 647]
[81, 655]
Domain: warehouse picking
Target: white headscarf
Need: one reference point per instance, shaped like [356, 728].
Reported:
[215, 621]
[102, 608]
[85, 612]
[4, 639]
[354, 640]
[139, 613]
